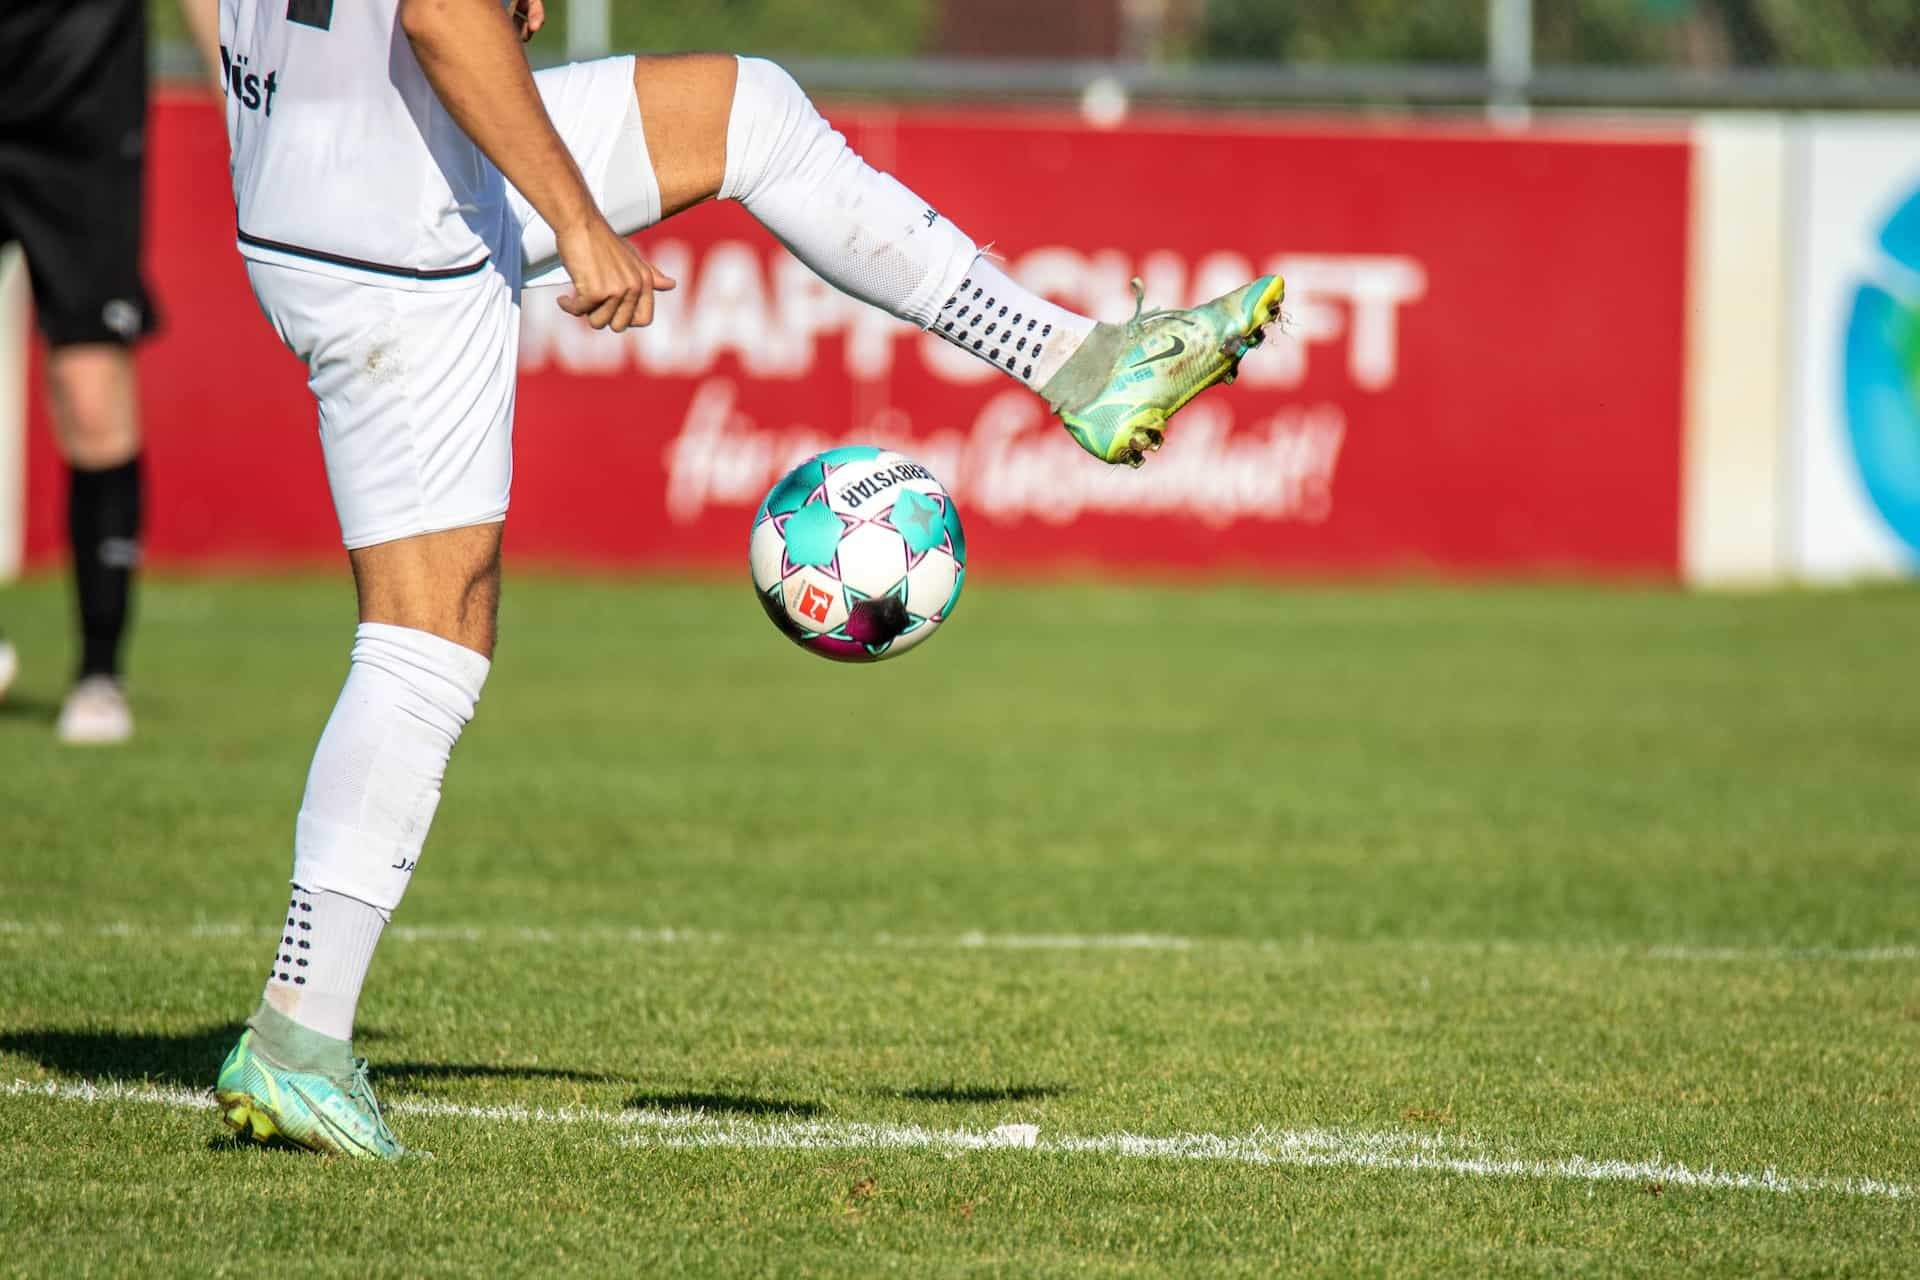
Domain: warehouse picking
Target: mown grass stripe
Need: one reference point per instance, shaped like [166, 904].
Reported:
[1412, 1153]
[975, 940]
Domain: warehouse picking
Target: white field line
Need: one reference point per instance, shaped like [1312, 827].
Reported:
[976, 940]
[1308, 1148]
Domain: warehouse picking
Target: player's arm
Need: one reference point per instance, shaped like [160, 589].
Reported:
[203, 28]
[470, 52]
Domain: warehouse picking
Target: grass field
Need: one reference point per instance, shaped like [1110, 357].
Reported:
[1395, 932]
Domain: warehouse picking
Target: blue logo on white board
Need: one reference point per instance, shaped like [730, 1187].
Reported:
[1883, 376]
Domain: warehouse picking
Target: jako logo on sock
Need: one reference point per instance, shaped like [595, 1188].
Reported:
[1882, 375]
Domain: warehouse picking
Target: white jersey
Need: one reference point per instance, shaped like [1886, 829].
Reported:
[344, 161]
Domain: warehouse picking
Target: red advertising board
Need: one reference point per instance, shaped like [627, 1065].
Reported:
[1482, 370]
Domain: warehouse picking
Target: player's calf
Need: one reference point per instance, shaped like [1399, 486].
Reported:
[370, 799]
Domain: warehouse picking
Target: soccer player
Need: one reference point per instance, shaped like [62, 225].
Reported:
[72, 138]
[400, 175]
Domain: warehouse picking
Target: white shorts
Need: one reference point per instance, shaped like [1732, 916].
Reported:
[415, 384]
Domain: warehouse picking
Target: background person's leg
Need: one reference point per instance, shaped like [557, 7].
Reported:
[94, 394]
[94, 398]
[76, 210]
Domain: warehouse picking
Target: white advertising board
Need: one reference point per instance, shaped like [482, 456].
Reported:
[1854, 465]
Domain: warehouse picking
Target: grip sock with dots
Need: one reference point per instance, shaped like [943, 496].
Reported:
[996, 318]
[321, 962]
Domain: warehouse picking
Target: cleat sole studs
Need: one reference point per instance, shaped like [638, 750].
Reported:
[245, 1119]
[1145, 440]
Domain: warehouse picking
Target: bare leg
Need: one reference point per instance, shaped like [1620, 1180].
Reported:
[95, 402]
[685, 103]
[446, 584]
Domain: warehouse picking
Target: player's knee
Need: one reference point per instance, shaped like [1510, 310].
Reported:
[375, 781]
[773, 126]
[468, 618]
[424, 669]
[95, 418]
[773, 85]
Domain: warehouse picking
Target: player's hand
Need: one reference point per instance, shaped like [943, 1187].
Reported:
[528, 17]
[613, 286]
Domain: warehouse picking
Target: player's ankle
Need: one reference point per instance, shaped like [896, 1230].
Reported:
[1085, 373]
[995, 318]
[286, 1042]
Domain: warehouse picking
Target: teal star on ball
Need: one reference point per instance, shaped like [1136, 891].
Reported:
[920, 521]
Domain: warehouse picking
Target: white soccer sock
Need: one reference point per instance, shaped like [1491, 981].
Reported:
[995, 317]
[371, 796]
[322, 962]
[867, 235]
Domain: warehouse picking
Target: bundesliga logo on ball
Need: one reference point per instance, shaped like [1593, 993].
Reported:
[858, 554]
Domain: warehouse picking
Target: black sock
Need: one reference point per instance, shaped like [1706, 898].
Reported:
[103, 520]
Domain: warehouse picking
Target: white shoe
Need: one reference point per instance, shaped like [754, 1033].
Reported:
[9, 665]
[95, 713]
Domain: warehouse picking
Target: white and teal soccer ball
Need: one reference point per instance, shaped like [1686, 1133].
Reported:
[858, 554]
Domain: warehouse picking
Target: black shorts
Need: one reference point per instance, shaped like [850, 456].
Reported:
[71, 187]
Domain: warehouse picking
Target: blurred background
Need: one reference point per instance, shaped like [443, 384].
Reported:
[1288, 44]
[1609, 289]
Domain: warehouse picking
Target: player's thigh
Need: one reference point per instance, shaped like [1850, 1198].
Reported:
[94, 394]
[415, 395]
[593, 110]
[649, 135]
[446, 583]
[686, 104]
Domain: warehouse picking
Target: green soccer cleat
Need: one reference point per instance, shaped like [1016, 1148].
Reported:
[262, 1101]
[1164, 359]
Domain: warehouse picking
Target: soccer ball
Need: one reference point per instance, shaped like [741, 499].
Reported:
[858, 554]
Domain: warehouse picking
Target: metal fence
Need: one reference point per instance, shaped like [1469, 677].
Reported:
[1509, 55]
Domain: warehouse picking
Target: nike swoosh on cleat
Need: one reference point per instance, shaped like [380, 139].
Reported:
[1173, 350]
[342, 1134]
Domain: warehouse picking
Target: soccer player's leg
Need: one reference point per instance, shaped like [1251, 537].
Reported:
[415, 390]
[420, 658]
[704, 126]
[871, 237]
